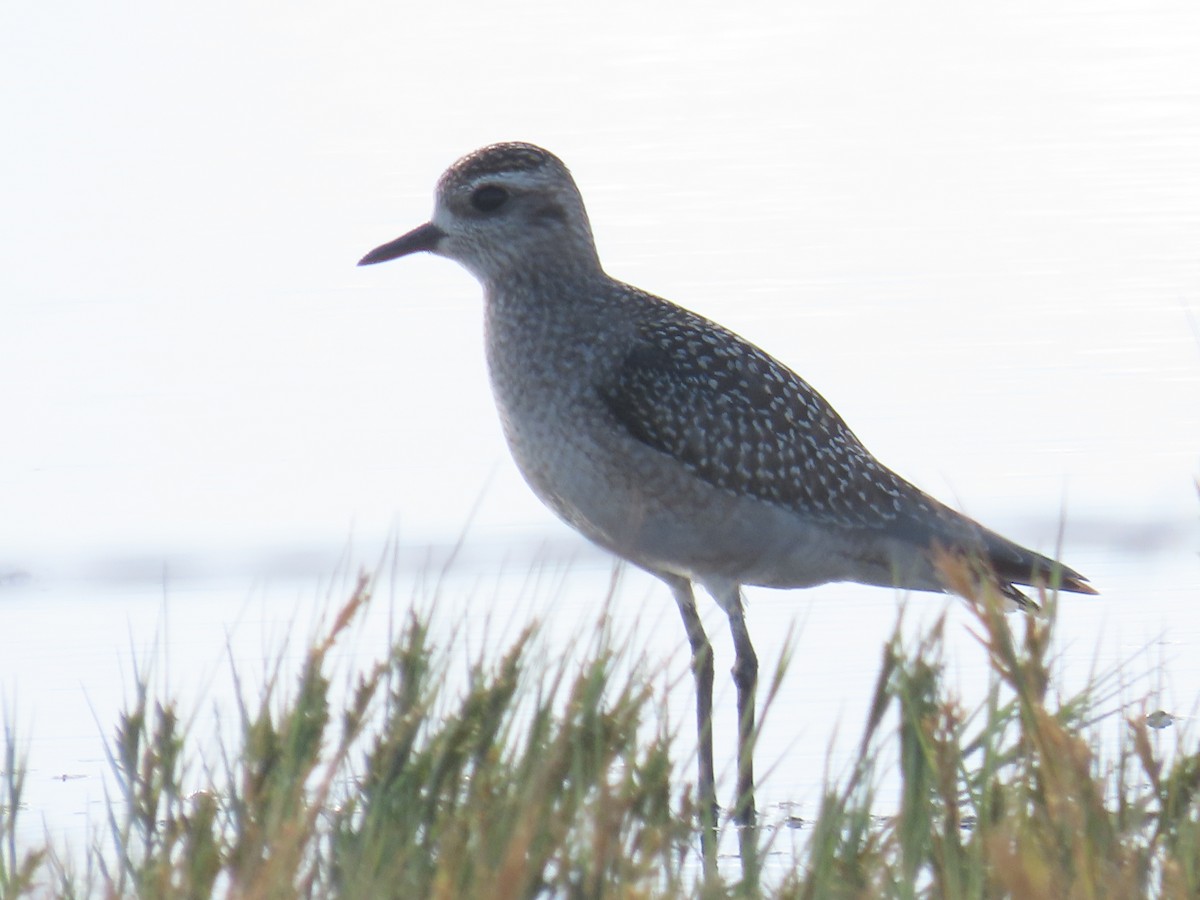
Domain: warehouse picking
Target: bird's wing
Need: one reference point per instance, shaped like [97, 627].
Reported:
[744, 422]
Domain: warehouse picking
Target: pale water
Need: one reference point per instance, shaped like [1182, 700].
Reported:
[976, 231]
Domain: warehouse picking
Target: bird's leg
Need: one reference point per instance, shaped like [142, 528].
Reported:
[745, 678]
[702, 669]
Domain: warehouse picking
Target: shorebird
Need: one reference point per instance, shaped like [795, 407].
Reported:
[673, 442]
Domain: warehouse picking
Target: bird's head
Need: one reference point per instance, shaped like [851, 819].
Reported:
[507, 207]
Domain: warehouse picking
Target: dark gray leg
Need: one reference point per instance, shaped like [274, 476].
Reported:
[745, 678]
[702, 669]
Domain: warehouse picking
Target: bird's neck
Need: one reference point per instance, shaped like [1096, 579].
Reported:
[554, 288]
[550, 319]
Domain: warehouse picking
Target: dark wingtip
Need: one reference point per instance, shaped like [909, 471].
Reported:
[1064, 578]
[1077, 585]
[1018, 565]
[1056, 577]
[961, 572]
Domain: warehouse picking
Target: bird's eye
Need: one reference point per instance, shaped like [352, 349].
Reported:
[489, 198]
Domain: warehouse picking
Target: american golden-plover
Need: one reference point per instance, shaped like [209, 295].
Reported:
[675, 443]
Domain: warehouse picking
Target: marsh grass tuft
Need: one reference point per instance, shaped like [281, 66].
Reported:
[534, 778]
[553, 776]
[19, 866]
[1016, 798]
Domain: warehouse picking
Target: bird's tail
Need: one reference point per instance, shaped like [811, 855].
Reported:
[1015, 565]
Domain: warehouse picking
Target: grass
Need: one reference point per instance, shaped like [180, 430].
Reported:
[557, 779]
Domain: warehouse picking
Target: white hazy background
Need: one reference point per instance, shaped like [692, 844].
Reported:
[975, 229]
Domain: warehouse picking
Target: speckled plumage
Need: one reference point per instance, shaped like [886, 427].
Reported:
[745, 423]
[669, 439]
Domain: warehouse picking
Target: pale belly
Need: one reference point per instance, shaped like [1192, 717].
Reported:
[644, 507]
